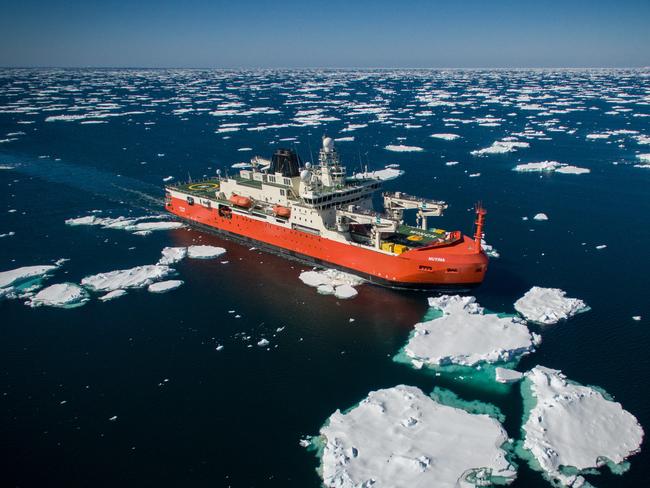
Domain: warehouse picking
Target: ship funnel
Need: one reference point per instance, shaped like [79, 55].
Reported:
[285, 161]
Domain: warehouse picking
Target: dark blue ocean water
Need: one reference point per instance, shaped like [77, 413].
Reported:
[188, 415]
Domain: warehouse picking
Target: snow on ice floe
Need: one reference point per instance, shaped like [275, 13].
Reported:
[164, 286]
[64, 295]
[571, 428]
[332, 282]
[204, 252]
[401, 438]
[137, 277]
[465, 335]
[446, 137]
[548, 305]
[402, 148]
[551, 166]
[139, 225]
[381, 174]
[500, 147]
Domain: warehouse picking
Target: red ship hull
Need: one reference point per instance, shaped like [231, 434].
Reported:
[455, 267]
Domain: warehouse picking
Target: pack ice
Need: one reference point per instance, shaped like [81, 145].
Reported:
[572, 427]
[548, 305]
[332, 282]
[400, 437]
[466, 335]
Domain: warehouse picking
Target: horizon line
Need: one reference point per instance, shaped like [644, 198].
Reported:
[340, 68]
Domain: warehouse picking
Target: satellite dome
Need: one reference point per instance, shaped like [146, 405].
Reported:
[305, 174]
[307, 165]
[328, 144]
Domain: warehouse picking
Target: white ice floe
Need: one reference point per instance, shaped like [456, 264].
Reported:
[403, 148]
[572, 170]
[137, 277]
[505, 375]
[446, 137]
[540, 166]
[16, 276]
[381, 174]
[263, 343]
[548, 305]
[172, 255]
[500, 147]
[645, 160]
[540, 217]
[112, 295]
[401, 438]
[164, 286]
[332, 282]
[466, 335]
[204, 252]
[150, 226]
[572, 427]
[17, 281]
[139, 225]
[64, 295]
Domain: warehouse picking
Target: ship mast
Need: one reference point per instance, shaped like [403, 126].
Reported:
[480, 221]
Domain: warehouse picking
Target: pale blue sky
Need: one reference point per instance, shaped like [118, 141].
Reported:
[334, 33]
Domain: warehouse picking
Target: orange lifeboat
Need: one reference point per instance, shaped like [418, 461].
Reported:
[240, 201]
[281, 211]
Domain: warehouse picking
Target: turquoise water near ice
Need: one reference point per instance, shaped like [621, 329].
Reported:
[234, 417]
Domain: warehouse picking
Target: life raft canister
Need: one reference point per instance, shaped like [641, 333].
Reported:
[240, 201]
[281, 211]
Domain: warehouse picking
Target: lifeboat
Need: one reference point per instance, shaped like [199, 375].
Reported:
[240, 201]
[281, 211]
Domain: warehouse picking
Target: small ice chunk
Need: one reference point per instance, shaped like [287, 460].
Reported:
[445, 137]
[601, 246]
[205, 252]
[263, 343]
[504, 375]
[164, 286]
[112, 295]
[332, 282]
[636, 318]
[548, 305]
[540, 217]
[172, 255]
[345, 291]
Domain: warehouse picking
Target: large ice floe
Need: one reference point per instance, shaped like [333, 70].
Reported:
[137, 225]
[332, 282]
[204, 252]
[550, 167]
[570, 428]
[500, 147]
[400, 437]
[24, 279]
[137, 277]
[548, 305]
[403, 148]
[463, 334]
[64, 295]
[380, 174]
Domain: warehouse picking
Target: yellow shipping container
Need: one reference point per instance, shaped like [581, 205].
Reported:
[400, 248]
[387, 246]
